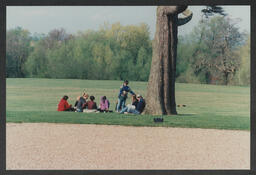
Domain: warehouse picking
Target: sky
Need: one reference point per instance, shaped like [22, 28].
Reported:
[42, 19]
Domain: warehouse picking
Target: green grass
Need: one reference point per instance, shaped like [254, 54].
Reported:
[207, 106]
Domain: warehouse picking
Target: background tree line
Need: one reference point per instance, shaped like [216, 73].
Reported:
[215, 52]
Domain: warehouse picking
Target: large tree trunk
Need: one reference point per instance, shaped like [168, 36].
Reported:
[160, 99]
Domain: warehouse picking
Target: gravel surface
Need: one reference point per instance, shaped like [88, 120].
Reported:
[77, 146]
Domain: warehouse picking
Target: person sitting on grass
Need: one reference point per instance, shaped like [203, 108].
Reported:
[80, 104]
[91, 106]
[77, 100]
[63, 104]
[140, 106]
[133, 105]
[104, 105]
[122, 96]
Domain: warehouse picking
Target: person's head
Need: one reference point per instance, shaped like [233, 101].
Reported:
[103, 98]
[126, 82]
[92, 98]
[134, 98]
[65, 97]
[85, 96]
[139, 97]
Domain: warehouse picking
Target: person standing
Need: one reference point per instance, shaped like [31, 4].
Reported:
[122, 96]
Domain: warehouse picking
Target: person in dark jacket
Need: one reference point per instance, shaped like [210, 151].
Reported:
[141, 104]
[139, 107]
[80, 104]
[124, 89]
[63, 104]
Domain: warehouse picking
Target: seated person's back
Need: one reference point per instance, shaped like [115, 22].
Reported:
[91, 104]
[63, 104]
[81, 103]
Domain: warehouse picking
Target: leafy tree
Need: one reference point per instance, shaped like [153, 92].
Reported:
[243, 74]
[142, 67]
[211, 10]
[37, 36]
[36, 64]
[56, 37]
[184, 51]
[17, 51]
[184, 70]
[113, 52]
[215, 56]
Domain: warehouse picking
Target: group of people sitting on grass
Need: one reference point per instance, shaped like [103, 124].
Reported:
[82, 103]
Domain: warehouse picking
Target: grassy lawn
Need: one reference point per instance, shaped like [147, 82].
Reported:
[207, 106]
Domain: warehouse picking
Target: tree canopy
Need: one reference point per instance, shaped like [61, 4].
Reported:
[215, 52]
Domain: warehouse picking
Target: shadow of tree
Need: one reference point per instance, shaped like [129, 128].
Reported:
[186, 115]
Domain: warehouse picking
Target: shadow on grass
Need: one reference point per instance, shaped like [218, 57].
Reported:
[186, 115]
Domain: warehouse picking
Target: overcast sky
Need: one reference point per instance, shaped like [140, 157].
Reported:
[42, 19]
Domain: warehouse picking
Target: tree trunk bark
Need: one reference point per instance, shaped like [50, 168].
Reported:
[160, 99]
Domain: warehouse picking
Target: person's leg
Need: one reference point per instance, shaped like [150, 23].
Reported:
[123, 104]
[130, 110]
[133, 111]
[118, 105]
[136, 112]
[101, 110]
[79, 110]
[70, 109]
[124, 110]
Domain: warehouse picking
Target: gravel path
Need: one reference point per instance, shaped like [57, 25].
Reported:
[75, 146]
